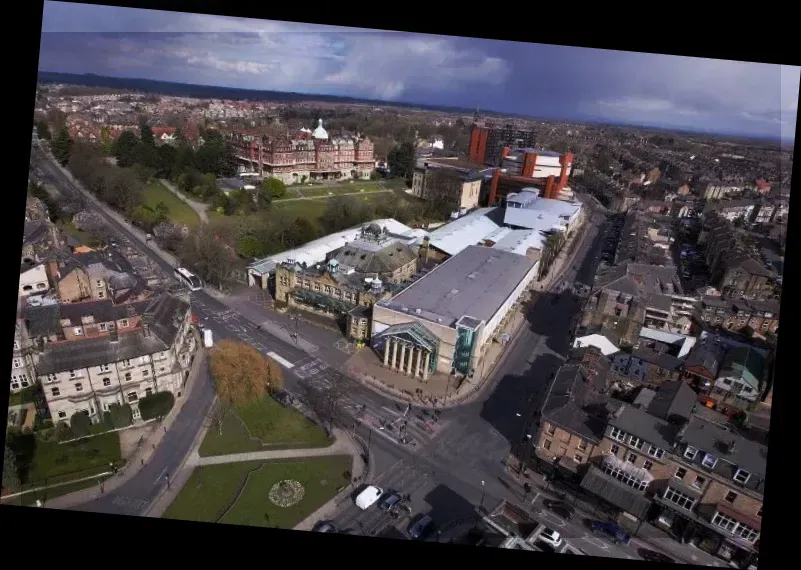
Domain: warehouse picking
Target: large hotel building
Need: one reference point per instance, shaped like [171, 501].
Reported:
[306, 156]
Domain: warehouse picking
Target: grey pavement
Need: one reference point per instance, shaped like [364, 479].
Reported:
[199, 207]
[338, 447]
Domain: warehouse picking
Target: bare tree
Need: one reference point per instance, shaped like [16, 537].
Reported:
[326, 402]
[218, 411]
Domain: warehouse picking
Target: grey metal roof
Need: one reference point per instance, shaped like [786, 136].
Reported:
[616, 492]
[660, 359]
[474, 282]
[712, 438]
[643, 425]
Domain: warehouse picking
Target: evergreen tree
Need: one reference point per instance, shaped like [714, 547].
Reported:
[42, 130]
[62, 145]
[123, 149]
[146, 135]
[10, 473]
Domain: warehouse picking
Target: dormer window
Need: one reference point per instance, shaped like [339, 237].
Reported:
[709, 461]
[690, 452]
[742, 476]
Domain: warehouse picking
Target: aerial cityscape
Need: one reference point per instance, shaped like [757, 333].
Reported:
[369, 283]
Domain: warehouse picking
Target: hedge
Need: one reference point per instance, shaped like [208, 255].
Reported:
[63, 431]
[155, 405]
[80, 424]
[121, 415]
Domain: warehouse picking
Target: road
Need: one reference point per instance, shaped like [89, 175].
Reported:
[450, 466]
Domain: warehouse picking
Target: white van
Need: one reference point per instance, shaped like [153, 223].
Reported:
[368, 497]
[208, 339]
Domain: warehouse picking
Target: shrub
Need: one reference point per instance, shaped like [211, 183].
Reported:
[80, 424]
[63, 431]
[121, 415]
[155, 405]
[40, 424]
[108, 422]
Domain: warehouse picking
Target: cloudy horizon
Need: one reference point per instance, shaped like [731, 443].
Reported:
[537, 80]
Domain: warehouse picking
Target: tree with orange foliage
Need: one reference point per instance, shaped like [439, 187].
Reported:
[242, 375]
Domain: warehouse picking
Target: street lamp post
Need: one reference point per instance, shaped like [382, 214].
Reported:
[480, 504]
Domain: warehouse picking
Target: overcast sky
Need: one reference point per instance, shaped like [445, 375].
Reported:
[551, 82]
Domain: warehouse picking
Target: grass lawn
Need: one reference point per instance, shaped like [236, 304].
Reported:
[180, 211]
[366, 187]
[260, 426]
[315, 207]
[49, 494]
[237, 493]
[46, 463]
[81, 236]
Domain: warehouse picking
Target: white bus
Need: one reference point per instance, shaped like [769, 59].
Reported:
[248, 174]
[186, 277]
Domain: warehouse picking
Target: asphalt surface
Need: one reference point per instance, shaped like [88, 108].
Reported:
[449, 467]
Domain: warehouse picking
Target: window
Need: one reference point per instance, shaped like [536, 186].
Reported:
[614, 449]
[681, 472]
[132, 397]
[99, 282]
[582, 445]
[647, 465]
[735, 527]
[731, 496]
[551, 430]
[626, 478]
[16, 345]
[148, 391]
[547, 444]
[679, 499]
[126, 363]
[578, 458]
[127, 376]
[17, 363]
[56, 392]
[73, 374]
[636, 442]
[106, 381]
[742, 476]
[759, 512]
[145, 372]
[656, 452]
[79, 387]
[617, 434]
[100, 294]
[124, 323]
[690, 452]
[699, 482]
[632, 458]
[709, 461]
[62, 414]
[77, 331]
[103, 368]
[103, 327]
[51, 377]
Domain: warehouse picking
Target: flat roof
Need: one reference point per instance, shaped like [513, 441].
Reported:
[473, 283]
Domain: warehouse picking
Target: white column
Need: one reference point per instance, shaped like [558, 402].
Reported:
[402, 356]
[394, 352]
[386, 351]
[419, 368]
[426, 365]
[412, 352]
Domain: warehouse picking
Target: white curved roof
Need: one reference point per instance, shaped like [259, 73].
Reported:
[320, 132]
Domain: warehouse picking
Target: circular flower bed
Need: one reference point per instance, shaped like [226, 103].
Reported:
[286, 493]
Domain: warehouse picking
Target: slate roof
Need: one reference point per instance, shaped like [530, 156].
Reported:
[660, 359]
[385, 260]
[705, 359]
[641, 424]
[44, 320]
[574, 404]
[712, 438]
[673, 401]
[163, 315]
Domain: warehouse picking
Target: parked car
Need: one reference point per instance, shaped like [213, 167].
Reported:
[368, 497]
[420, 529]
[551, 538]
[390, 500]
[325, 526]
[560, 508]
[612, 531]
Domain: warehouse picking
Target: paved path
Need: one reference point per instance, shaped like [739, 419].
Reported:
[339, 447]
[198, 207]
[332, 195]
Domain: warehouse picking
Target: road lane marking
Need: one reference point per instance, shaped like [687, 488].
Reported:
[596, 542]
[282, 361]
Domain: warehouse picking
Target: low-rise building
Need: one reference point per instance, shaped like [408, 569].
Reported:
[448, 181]
[123, 366]
[742, 316]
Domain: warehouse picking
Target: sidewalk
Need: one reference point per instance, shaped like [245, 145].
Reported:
[199, 207]
[138, 459]
[337, 448]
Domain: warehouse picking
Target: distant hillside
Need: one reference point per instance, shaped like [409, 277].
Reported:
[212, 92]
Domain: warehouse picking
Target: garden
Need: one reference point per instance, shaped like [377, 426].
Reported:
[276, 494]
